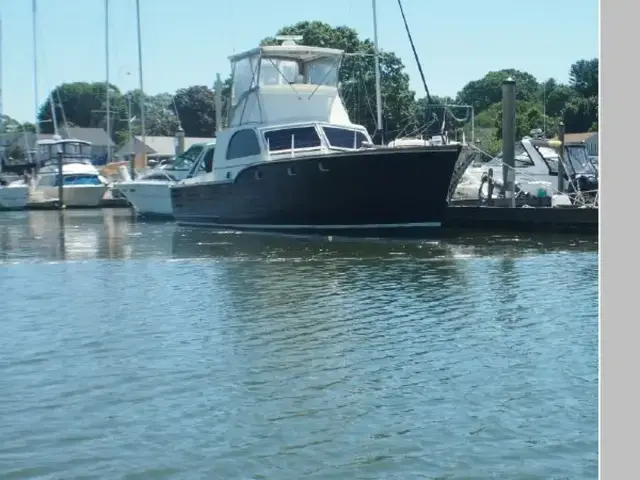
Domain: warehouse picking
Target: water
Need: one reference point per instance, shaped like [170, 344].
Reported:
[135, 350]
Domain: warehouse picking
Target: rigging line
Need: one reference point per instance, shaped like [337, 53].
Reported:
[415, 54]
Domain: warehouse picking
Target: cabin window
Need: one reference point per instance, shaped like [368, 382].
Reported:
[243, 143]
[285, 139]
[344, 138]
[278, 71]
[80, 179]
[47, 180]
[324, 71]
[245, 76]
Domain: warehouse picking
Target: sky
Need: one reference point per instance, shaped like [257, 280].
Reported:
[187, 42]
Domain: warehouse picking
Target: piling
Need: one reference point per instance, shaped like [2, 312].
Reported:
[509, 138]
[561, 130]
[60, 179]
[179, 145]
[218, 102]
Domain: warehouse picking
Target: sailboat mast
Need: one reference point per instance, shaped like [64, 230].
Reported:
[142, 120]
[107, 87]
[377, 66]
[35, 67]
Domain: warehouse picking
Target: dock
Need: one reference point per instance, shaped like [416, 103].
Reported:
[523, 219]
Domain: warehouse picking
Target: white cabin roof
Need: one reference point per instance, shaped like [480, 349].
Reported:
[71, 169]
[55, 141]
[293, 52]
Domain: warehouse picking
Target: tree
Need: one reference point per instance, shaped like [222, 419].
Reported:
[557, 98]
[529, 116]
[357, 76]
[196, 110]
[160, 118]
[580, 115]
[81, 104]
[583, 77]
[488, 90]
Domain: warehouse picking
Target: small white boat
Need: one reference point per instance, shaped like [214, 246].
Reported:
[82, 184]
[14, 195]
[150, 194]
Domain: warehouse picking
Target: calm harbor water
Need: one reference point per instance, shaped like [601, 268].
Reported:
[145, 351]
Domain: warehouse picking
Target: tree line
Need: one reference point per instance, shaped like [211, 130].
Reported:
[540, 103]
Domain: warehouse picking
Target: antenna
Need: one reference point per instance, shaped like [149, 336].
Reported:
[289, 39]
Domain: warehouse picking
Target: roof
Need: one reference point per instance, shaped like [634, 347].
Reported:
[296, 52]
[97, 136]
[578, 137]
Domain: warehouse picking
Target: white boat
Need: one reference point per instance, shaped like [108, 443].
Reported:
[150, 194]
[82, 184]
[13, 195]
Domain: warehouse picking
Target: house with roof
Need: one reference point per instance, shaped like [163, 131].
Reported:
[154, 145]
[590, 140]
[18, 148]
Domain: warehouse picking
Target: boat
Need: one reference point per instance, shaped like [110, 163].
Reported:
[536, 172]
[82, 184]
[291, 161]
[14, 195]
[149, 194]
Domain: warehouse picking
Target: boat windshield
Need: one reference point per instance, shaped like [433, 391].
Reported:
[73, 151]
[294, 138]
[579, 160]
[550, 157]
[522, 158]
[187, 159]
[344, 137]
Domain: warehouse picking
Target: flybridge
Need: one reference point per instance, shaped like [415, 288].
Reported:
[286, 83]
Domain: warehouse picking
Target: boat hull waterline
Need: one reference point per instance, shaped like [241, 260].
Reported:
[14, 197]
[378, 192]
[148, 198]
[76, 195]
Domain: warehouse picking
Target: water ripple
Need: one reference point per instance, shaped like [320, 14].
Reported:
[252, 358]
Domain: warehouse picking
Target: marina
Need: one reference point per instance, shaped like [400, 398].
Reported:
[308, 265]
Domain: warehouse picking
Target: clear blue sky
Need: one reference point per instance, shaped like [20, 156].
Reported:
[186, 42]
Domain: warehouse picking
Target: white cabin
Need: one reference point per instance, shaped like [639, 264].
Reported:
[285, 84]
[284, 104]
[77, 168]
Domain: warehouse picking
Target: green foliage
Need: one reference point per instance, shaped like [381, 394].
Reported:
[196, 109]
[83, 104]
[487, 91]
[357, 76]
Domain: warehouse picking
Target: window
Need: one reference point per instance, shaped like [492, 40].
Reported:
[550, 157]
[344, 138]
[324, 71]
[207, 162]
[285, 139]
[185, 161]
[243, 143]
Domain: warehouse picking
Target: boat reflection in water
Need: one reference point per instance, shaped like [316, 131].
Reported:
[118, 234]
[67, 235]
[199, 243]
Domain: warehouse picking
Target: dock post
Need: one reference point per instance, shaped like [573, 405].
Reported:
[561, 129]
[509, 138]
[60, 179]
[218, 102]
[179, 145]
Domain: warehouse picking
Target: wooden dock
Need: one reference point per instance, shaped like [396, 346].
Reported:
[523, 219]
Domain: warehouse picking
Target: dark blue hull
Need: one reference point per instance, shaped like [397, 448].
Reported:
[382, 192]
